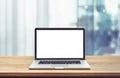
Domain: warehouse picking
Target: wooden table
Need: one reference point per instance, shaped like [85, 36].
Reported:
[100, 66]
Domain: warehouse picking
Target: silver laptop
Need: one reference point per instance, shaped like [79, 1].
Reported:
[59, 48]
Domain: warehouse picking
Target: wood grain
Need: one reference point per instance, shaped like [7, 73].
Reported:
[100, 66]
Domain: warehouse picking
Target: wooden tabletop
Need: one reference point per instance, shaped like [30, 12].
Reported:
[100, 66]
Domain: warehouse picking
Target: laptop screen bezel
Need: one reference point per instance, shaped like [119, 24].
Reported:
[37, 29]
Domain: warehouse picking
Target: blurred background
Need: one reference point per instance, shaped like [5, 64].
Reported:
[100, 18]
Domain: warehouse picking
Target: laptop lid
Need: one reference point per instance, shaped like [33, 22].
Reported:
[59, 43]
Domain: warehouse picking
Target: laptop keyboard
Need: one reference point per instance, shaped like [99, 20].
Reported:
[58, 62]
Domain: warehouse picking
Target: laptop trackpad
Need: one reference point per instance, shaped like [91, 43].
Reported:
[59, 66]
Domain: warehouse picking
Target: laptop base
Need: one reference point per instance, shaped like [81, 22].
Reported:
[36, 66]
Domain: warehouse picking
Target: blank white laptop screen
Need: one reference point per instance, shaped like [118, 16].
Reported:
[59, 44]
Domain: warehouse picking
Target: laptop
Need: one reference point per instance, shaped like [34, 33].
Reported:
[59, 48]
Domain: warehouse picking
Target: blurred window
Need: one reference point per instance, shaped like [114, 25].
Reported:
[101, 19]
